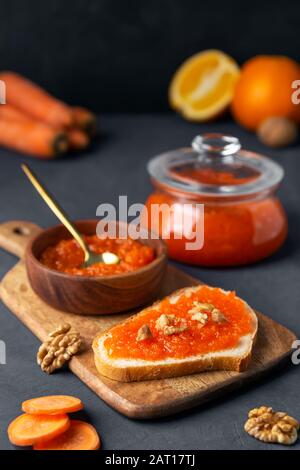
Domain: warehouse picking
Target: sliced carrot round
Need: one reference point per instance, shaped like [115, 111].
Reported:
[52, 405]
[79, 436]
[26, 429]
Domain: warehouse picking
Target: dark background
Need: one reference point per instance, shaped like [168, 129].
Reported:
[119, 55]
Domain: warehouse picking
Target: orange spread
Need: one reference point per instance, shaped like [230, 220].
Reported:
[234, 233]
[67, 256]
[196, 339]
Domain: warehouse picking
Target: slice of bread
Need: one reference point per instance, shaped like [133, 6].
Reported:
[130, 370]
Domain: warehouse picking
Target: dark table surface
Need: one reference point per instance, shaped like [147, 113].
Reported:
[114, 166]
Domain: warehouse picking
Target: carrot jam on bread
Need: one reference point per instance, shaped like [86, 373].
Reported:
[193, 323]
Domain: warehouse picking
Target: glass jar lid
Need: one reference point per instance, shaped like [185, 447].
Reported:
[215, 166]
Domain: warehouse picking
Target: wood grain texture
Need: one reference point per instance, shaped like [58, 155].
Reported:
[142, 399]
[15, 235]
[81, 294]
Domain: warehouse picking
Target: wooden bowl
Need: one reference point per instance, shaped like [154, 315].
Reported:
[93, 295]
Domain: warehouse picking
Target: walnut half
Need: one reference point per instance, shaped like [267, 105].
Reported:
[200, 307]
[164, 320]
[200, 317]
[144, 333]
[218, 316]
[58, 348]
[173, 330]
[166, 324]
[270, 426]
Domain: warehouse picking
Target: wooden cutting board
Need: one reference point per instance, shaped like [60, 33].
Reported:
[147, 399]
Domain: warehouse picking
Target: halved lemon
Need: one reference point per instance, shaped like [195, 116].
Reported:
[203, 86]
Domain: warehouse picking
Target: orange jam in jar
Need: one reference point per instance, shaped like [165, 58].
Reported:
[242, 220]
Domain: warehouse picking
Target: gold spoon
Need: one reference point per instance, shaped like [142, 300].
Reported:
[90, 258]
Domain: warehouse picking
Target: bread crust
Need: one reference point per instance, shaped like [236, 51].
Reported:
[135, 373]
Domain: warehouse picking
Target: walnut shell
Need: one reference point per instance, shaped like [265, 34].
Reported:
[277, 132]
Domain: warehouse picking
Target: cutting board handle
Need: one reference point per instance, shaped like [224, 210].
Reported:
[15, 234]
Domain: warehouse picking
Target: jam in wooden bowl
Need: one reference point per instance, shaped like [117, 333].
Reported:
[54, 267]
[66, 256]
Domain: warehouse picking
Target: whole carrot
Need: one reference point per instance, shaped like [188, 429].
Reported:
[31, 137]
[7, 111]
[36, 102]
[84, 119]
[78, 140]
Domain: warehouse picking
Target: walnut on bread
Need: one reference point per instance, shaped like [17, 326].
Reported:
[218, 316]
[144, 333]
[172, 330]
[164, 320]
[166, 324]
[200, 311]
[200, 307]
[200, 317]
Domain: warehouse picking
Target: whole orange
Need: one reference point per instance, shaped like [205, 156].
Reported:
[264, 89]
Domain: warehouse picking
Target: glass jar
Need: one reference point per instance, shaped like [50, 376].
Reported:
[243, 220]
